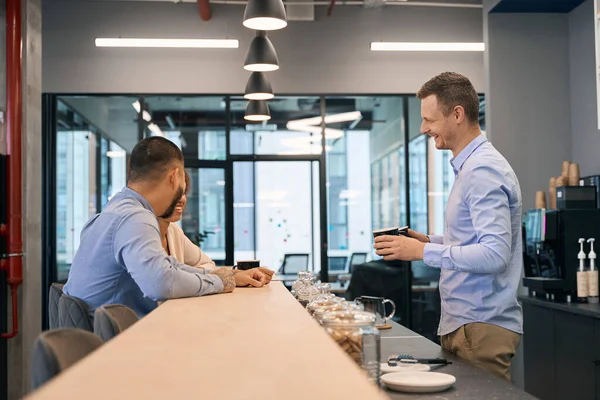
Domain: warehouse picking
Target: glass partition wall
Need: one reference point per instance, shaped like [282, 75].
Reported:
[259, 191]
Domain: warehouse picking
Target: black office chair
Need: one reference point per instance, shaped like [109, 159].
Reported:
[356, 259]
[337, 264]
[294, 263]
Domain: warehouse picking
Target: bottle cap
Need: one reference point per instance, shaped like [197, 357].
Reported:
[592, 254]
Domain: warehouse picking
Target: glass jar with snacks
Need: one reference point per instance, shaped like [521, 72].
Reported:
[324, 298]
[298, 283]
[308, 292]
[356, 333]
[319, 312]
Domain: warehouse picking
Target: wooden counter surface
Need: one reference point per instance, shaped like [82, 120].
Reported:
[249, 344]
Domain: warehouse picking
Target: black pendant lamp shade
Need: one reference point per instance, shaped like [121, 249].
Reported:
[258, 87]
[257, 111]
[265, 15]
[261, 55]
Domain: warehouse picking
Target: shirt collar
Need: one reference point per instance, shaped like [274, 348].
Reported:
[128, 192]
[458, 161]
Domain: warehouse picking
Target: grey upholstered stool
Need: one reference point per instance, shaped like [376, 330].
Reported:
[58, 349]
[112, 319]
[73, 313]
[56, 292]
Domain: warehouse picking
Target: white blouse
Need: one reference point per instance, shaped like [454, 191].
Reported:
[185, 251]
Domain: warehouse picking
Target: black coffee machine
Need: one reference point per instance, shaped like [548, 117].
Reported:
[550, 247]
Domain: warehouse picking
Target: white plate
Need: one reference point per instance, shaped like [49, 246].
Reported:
[386, 369]
[418, 382]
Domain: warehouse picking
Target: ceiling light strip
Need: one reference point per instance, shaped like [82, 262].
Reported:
[427, 46]
[169, 43]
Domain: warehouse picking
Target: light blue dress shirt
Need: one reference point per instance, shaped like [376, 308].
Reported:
[480, 254]
[120, 260]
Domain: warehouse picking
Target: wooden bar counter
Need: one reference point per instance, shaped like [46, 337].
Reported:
[249, 344]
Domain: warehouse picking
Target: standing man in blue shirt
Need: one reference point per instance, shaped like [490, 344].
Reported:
[480, 253]
[121, 260]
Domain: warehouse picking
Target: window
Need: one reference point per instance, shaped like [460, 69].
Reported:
[90, 164]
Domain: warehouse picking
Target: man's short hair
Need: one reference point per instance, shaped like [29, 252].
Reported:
[152, 158]
[452, 89]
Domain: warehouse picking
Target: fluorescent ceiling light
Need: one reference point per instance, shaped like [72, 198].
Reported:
[169, 43]
[155, 129]
[313, 124]
[426, 46]
[329, 119]
[170, 122]
[115, 154]
[146, 116]
[137, 106]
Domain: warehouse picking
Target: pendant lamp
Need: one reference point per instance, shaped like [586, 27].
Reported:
[257, 111]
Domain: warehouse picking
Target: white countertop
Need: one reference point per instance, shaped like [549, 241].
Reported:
[249, 344]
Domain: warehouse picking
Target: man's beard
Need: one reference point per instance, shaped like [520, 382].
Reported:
[171, 209]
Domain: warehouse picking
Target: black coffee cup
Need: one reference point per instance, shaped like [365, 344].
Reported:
[393, 231]
[248, 264]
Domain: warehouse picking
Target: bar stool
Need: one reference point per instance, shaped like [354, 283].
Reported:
[112, 319]
[55, 293]
[73, 313]
[56, 350]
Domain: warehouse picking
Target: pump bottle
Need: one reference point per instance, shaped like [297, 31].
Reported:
[592, 275]
[582, 276]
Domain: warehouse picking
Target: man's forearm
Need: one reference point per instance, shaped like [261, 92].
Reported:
[227, 276]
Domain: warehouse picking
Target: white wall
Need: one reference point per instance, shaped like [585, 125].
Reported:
[329, 55]
[527, 102]
[528, 118]
[584, 120]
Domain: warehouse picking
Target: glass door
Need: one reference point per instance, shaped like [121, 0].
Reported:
[276, 208]
[203, 220]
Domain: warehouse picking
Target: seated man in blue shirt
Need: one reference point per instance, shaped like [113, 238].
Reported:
[480, 253]
[121, 260]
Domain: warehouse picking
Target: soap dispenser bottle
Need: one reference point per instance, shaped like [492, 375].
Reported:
[592, 275]
[582, 276]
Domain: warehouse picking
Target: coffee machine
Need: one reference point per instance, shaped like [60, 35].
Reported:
[550, 247]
